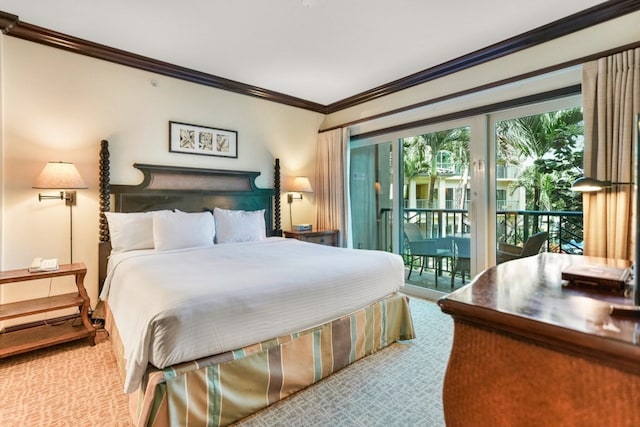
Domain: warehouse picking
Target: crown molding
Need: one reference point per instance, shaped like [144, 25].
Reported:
[7, 21]
[483, 109]
[589, 17]
[12, 26]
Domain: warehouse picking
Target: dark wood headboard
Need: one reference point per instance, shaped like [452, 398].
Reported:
[186, 189]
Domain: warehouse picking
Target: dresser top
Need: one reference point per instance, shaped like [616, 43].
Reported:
[528, 299]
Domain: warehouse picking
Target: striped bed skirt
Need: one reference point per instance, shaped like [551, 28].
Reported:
[222, 389]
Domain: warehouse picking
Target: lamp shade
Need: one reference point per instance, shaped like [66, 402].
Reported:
[300, 184]
[585, 184]
[59, 175]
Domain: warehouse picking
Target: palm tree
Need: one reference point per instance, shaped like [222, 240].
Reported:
[437, 141]
[415, 162]
[543, 138]
[420, 155]
[459, 144]
[421, 158]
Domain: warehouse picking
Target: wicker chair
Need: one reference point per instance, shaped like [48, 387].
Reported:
[532, 245]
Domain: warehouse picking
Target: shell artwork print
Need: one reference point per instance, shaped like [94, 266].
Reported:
[205, 142]
[222, 143]
[187, 138]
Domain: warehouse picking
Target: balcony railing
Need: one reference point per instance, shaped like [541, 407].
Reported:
[565, 228]
[566, 232]
[424, 204]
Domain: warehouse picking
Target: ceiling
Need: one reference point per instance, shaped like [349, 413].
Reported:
[321, 51]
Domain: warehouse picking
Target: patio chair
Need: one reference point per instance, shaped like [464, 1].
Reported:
[532, 245]
[421, 248]
[462, 257]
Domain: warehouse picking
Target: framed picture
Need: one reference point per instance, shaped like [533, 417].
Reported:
[206, 141]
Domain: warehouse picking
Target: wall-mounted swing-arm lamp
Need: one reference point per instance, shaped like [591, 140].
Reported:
[589, 185]
[299, 185]
[61, 176]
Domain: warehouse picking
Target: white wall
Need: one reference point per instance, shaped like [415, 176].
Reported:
[57, 105]
[608, 35]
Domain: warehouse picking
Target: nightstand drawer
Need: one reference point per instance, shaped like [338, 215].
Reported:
[329, 239]
[322, 237]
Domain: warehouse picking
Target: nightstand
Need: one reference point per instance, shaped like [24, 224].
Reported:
[35, 337]
[322, 237]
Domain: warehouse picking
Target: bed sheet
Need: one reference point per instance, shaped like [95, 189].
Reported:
[175, 306]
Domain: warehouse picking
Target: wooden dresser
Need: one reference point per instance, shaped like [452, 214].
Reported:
[528, 351]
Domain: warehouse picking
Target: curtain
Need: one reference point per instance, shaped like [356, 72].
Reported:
[611, 98]
[331, 183]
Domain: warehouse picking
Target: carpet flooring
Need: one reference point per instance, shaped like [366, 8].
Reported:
[74, 384]
[71, 384]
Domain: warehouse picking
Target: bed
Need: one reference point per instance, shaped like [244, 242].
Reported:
[212, 314]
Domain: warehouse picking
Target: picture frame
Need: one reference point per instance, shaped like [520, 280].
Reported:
[202, 140]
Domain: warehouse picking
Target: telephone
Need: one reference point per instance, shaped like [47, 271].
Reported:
[48, 264]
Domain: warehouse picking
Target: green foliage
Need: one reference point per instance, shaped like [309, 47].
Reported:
[554, 142]
[420, 153]
[550, 144]
[415, 161]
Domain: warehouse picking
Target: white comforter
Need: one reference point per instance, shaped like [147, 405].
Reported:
[180, 305]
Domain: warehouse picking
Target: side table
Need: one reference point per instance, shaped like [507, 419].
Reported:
[32, 338]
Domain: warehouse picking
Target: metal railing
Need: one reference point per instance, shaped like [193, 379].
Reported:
[439, 222]
[565, 228]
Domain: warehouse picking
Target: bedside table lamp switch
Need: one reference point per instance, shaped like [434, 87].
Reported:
[61, 176]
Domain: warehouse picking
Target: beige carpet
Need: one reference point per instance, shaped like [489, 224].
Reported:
[77, 385]
[72, 384]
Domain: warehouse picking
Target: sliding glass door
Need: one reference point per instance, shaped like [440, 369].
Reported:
[371, 194]
[412, 191]
[435, 207]
[538, 155]
[448, 195]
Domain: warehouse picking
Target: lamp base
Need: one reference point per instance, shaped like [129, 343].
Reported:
[70, 198]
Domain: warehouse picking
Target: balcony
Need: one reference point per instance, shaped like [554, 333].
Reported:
[565, 231]
[507, 172]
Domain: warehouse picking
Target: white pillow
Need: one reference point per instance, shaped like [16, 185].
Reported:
[177, 230]
[130, 231]
[239, 226]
